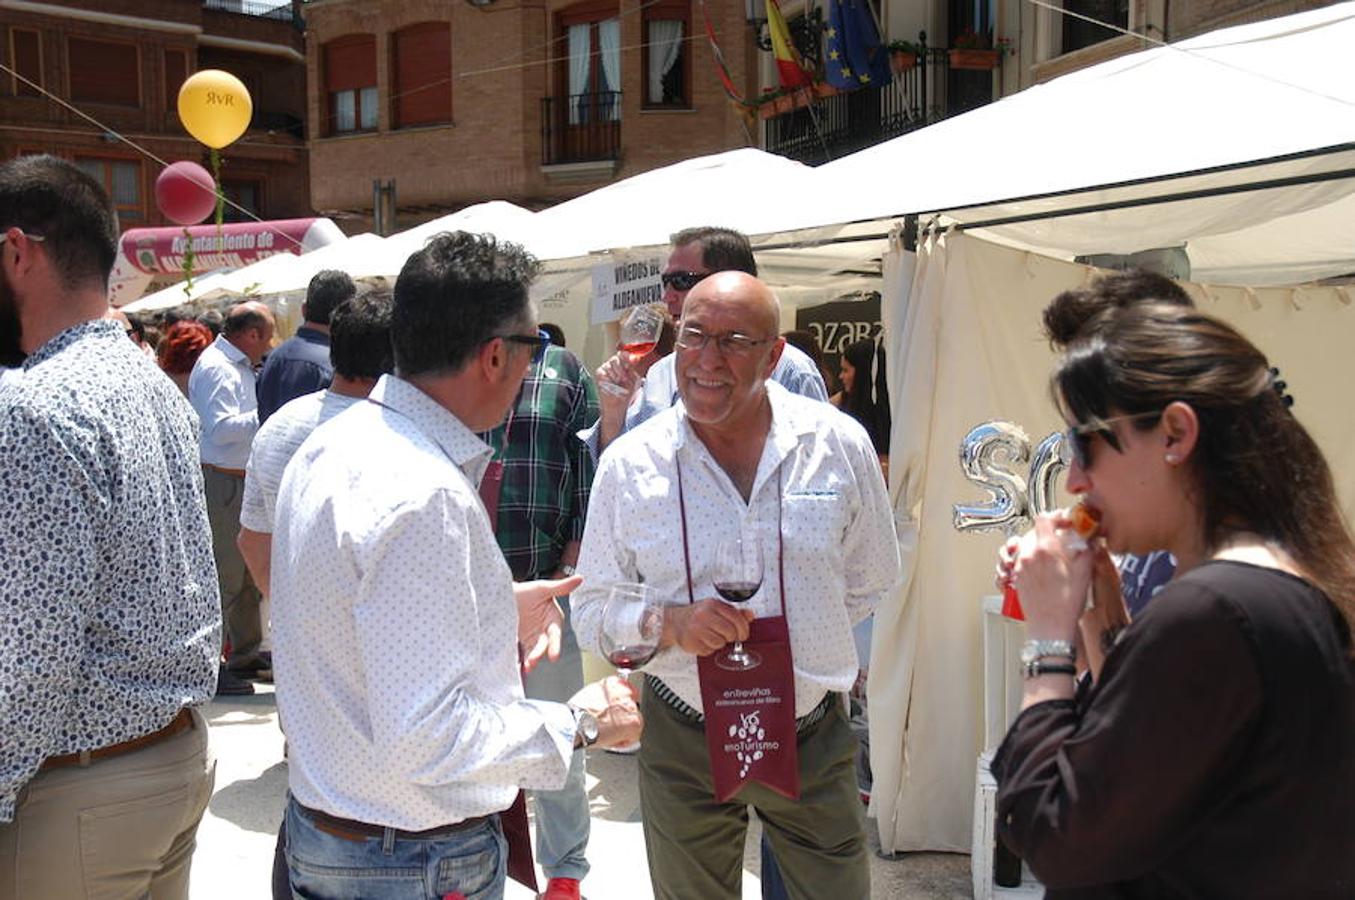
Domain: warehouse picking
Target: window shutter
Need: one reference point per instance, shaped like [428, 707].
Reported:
[423, 74]
[103, 72]
[176, 73]
[27, 61]
[350, 63]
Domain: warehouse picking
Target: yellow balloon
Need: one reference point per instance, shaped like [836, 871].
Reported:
[215, 107]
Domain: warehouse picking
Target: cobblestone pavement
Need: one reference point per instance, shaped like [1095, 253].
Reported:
[236, 839]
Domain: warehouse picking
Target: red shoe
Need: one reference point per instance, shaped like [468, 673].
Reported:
[561, 889]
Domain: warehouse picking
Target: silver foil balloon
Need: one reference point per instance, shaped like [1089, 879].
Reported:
[1045, 467]
[992, 455]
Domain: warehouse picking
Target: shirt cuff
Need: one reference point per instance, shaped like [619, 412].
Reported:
[559, 724]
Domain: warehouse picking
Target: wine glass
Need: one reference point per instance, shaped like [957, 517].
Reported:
[632, 622]
[639, 337]
[738, 576]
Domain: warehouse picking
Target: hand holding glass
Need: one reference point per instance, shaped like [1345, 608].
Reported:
[632, 623]
[639, 337]
[738, 576]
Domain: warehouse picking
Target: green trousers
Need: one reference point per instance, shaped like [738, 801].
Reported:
[695, 845]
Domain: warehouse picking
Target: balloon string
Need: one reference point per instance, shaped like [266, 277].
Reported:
[188, 260]
[220, 191]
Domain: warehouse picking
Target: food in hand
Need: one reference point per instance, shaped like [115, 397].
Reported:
[1086, 520]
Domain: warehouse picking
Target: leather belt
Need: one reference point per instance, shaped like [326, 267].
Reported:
[180, 723]
[688, 712]
[234, 473]
[351, 830]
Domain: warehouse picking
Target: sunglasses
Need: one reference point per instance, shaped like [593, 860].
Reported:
[539, 343]
[683, 281]
[1077, 440]
[32, 237]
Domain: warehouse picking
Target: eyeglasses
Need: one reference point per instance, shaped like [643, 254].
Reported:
[683, 281]
[539, 343]
[1077, 440]
[32, 237]
[689, 337]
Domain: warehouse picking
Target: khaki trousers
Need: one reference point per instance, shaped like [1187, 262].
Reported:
[240, 614]
[122, 828]
[695, 845]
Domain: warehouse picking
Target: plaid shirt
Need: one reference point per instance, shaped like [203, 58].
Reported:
[547, 470]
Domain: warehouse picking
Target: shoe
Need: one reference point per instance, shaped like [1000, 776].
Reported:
[625, 749]
[561, 889]
[250, 665]
[228, 684]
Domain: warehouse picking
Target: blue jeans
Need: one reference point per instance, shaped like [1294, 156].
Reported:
[323, 866]
[562, 823]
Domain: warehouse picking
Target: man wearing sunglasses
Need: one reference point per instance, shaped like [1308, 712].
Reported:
[697, 253]
[397, 623]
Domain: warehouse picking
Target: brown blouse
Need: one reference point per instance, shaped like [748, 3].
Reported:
[1215, 757]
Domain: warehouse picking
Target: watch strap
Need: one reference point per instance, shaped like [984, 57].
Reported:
[1043, 666]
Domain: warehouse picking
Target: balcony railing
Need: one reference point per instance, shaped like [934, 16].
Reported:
[826, 128]
[256, 8]
[581, 128]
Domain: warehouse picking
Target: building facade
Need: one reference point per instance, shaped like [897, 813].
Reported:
[451, 103]
[121, 62]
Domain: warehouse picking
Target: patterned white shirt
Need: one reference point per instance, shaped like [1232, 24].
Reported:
[838, 532]
[277, 441]
[221, 389]
[110, 617]
[396, 628]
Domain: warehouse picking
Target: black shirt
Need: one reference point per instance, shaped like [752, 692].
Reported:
[300, 365]
[1215, 757]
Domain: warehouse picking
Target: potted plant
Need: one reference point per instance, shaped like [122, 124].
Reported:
[903, 55]
[971, 50]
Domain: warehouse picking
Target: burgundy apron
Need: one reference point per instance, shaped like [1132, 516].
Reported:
[516, 831]
[750, 714]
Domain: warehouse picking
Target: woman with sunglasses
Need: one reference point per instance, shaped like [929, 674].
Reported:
[1214, 753]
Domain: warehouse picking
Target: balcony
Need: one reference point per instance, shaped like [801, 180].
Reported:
[581, 131]
[932, 88]
[256, 8]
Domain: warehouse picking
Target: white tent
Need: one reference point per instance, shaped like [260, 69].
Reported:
[1239, 148]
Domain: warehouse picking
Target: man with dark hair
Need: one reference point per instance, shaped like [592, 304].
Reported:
[221, 390]
[301, 365]
[110, 627]
[697, 254]
[557, 334]
[397, 623]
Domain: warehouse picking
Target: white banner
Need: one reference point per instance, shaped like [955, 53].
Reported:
[624, 281]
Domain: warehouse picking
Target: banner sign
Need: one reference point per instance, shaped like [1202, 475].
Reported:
[839, 324]
[144, 253]
[625, 281]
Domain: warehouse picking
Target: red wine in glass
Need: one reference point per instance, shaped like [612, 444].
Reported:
[638, 350]
[737, 591]
[632, 623]
[628, 659]
[738, 576]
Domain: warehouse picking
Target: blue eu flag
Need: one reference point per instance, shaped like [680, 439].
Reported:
[853, 54]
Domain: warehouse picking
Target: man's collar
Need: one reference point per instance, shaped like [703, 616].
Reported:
[788, 420]
[430, 417]
[232, 352]
[63, 339]
[313, 335]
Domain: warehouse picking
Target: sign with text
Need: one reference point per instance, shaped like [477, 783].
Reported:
[840, 324]
[626, 280]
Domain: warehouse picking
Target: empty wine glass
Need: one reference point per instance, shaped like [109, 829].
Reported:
[632, 622]
[639, 336]
[738, 576]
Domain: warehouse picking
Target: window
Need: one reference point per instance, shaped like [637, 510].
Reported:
[666, 56]
[1079, 33]
[176, 73]
[421, 69]
[104, 72]
[242, 193]
[350, 84]
[122, 179]
[25, 53]
[592, 35]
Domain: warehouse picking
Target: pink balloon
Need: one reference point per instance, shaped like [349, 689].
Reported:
[185, 193]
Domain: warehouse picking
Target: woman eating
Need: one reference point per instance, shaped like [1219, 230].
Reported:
[1212, 752]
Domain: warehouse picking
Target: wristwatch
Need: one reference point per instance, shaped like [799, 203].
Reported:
[1048, 667]
[585, 727]
[1033, 653]
[567, 570]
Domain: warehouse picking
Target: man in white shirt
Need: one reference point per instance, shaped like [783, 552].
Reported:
[742, 457]
[396, 624]
[697, 253]
[221, 391]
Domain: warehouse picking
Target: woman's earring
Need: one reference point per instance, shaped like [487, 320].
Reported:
[1171, 459]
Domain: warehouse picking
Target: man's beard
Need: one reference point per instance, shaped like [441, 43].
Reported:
[11, 351]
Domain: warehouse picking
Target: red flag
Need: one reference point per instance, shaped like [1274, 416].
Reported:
[789, 69]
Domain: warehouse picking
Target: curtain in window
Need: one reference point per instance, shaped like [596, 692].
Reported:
[126, 187]
[609, 41]
[665, 43]
[580, 46]
[345, 111]
[368, 107]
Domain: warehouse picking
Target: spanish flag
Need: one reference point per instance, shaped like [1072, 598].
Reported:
[789, 69]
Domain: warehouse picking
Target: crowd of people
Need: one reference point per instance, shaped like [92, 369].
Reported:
[416, 513]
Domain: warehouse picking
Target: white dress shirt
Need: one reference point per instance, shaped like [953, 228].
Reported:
[837, 528]
[221, 390]
[396, 627]
[277, 441]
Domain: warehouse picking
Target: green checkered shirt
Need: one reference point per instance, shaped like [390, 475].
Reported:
[547, 470]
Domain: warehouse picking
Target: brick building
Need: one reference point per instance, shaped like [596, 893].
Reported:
[459, 102]
[122, 61]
